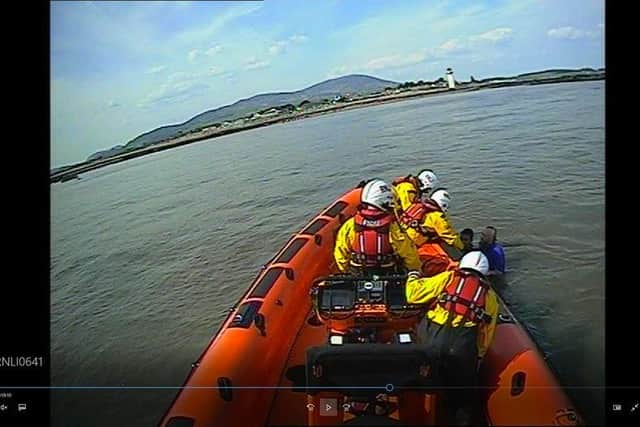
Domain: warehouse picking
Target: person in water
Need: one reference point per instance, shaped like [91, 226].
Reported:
[411, 188]
[459, 326]
[493, 251]
[426, 221]
[466, 236]
[372, 242]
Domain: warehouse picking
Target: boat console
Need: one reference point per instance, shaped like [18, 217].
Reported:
[371, 367]
[346, 303]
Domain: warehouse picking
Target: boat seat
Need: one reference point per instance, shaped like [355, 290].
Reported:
[372, 368]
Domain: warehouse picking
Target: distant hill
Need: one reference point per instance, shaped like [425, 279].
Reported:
[354, 84]
[114, 151]
[351, 84]
[557, 73]
[553, 73]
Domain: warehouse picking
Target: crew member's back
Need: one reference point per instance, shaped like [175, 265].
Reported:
[372, 242]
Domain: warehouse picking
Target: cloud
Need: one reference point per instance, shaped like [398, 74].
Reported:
[253, 64]
[565, 33]
[396, 61]
[400, 63]
[277, 48]
[466, 46]
[181, 86]
[179, 76]
[196, 54]
[454, 46]
[298, 38]
[174, 93]
[572, 33]
[193, 55]
[215, 71]
[450, 46]
[495, 35]
[156, 70]
[206, 32]
[214, 50]
[388, 62]
[280, 46]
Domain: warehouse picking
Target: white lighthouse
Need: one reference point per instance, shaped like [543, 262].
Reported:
[451, 83]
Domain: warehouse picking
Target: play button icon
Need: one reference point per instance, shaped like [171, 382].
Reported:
[328, 407]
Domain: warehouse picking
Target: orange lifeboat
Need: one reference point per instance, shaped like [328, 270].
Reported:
[279, 359]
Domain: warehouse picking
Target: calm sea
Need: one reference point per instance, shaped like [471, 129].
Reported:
[147, 255]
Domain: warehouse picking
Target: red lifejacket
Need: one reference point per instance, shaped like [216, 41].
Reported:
[414, 215]
[466, 296]
[372, 245]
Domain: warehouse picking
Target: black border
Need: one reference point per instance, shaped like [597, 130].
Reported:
[25, 297]
[621, 330]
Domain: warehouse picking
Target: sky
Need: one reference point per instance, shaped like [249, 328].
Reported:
[119, 69]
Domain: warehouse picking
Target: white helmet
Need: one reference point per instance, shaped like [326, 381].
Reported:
[377, 193]
[428, 180]
[442, 198]
[475, 260]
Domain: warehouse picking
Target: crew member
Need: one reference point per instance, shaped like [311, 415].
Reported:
[411, 188]
[426, 222]
[372, 242]
[459, 326]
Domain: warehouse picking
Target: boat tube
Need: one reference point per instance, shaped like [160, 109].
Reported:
[306, 346]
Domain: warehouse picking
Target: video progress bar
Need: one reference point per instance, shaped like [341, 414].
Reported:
[387, 387]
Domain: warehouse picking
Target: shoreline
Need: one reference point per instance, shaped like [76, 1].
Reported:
[73, 171]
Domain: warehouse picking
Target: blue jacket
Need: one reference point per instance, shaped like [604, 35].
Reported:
[495, 253]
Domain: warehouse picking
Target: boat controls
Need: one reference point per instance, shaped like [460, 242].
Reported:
[346, 302]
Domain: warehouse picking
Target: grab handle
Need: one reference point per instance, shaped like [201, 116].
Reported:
[260, 323]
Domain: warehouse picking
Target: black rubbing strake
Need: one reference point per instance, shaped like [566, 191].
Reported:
[265, 284]
[291, 251]
[334, 210]
[315, 226]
